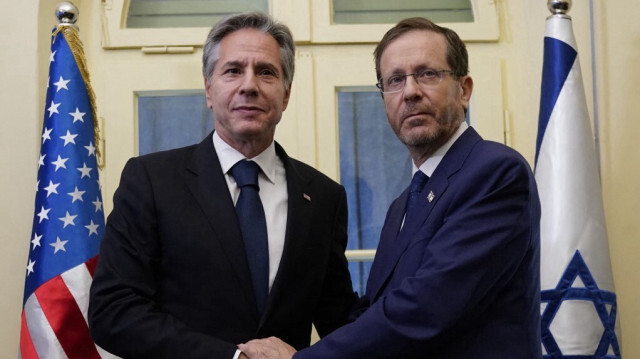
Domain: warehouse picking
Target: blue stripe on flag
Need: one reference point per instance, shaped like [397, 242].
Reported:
[558, 60]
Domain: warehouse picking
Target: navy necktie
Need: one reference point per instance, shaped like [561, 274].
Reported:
[417, 184]
[254, 228]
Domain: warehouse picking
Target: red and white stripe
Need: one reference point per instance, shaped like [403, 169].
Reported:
[54, 318]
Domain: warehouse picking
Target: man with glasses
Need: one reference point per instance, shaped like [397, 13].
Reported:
[456, 275]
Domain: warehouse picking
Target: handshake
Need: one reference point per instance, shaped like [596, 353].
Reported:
[268, 348]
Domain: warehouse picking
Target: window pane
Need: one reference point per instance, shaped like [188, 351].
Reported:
[374, 169]
[186, 13]
[390, 12]
[167, 121]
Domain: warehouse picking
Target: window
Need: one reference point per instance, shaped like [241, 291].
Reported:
[144, 23]
[385, 12]
[173, 119]
[181, 13]
[374, 169]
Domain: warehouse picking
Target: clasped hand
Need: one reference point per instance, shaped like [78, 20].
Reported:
[268, 348]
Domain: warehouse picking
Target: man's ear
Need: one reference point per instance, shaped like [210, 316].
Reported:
[287, 94]
[466, 87]
[207, 87]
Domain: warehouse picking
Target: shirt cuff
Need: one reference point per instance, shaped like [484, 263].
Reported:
[237, 354]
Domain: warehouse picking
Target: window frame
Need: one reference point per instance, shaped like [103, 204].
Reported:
[315, 28]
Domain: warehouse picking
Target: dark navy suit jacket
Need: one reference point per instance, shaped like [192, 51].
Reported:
[461, 279]
[172, 279]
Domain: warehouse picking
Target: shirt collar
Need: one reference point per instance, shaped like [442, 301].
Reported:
[229, 156]
[429, 166]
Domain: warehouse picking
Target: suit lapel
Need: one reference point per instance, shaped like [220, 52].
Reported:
[207, 184]
[299, 216]
[385, 259]
[393, 244]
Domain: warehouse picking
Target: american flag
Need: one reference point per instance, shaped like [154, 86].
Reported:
[68, 223]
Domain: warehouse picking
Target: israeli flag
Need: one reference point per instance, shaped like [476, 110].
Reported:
[579, 311]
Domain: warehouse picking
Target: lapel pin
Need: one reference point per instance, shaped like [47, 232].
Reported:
[306, 196]
[431, 196]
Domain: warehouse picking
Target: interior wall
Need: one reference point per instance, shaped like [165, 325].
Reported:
[618, 47]
[23, 70]
[19, 146]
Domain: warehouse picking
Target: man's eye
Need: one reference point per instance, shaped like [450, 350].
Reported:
[232, 71]
[267, 72]
[394, 80]
[428, 73]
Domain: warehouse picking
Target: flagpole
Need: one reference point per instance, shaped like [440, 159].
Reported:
[594, 92]
[67, 13]
[559, 7]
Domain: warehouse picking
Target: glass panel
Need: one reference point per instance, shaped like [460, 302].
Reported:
[172, 120]
[374, 169]
[390, 12]
[186, 13]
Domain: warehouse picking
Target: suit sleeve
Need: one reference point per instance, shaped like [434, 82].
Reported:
[337, 298]
[123, 317]
[471, 250]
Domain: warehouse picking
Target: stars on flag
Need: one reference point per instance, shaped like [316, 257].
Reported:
[98, 204]
[58, 245]
[76, 195]
[67, 229]
[93, 228]
[36, 240]
[68, 220]
[43, 214]
[52, 188]
[61, 84]
[60, 162]
[53, 108]
[46, 134]
[66, 182]
[77, 115]
[30, 267]
[69, 138]
[85, 171]
[91, 149]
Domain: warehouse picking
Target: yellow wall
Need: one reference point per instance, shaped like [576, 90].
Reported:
[23, 71]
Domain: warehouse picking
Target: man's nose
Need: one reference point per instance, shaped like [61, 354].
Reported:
[249, 85]
[412, 89]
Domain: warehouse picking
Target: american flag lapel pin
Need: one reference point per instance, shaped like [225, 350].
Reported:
[307, 197]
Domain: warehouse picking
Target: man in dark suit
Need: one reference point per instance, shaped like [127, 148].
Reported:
[456, 274]
[177, 275]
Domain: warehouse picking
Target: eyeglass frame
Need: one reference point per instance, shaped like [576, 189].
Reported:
[439, 73]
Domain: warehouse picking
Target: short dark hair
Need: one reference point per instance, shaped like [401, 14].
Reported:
[253, 20]
[457, 57]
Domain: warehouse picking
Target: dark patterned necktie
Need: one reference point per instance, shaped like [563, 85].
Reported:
[417, 184]
[254, 228]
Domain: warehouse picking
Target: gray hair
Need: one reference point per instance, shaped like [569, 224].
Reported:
[254, 20]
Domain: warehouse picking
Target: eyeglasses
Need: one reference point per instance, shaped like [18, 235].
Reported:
[426, 78]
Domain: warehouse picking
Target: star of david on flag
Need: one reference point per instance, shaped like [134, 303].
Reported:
[69, 221]
[579, 310]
